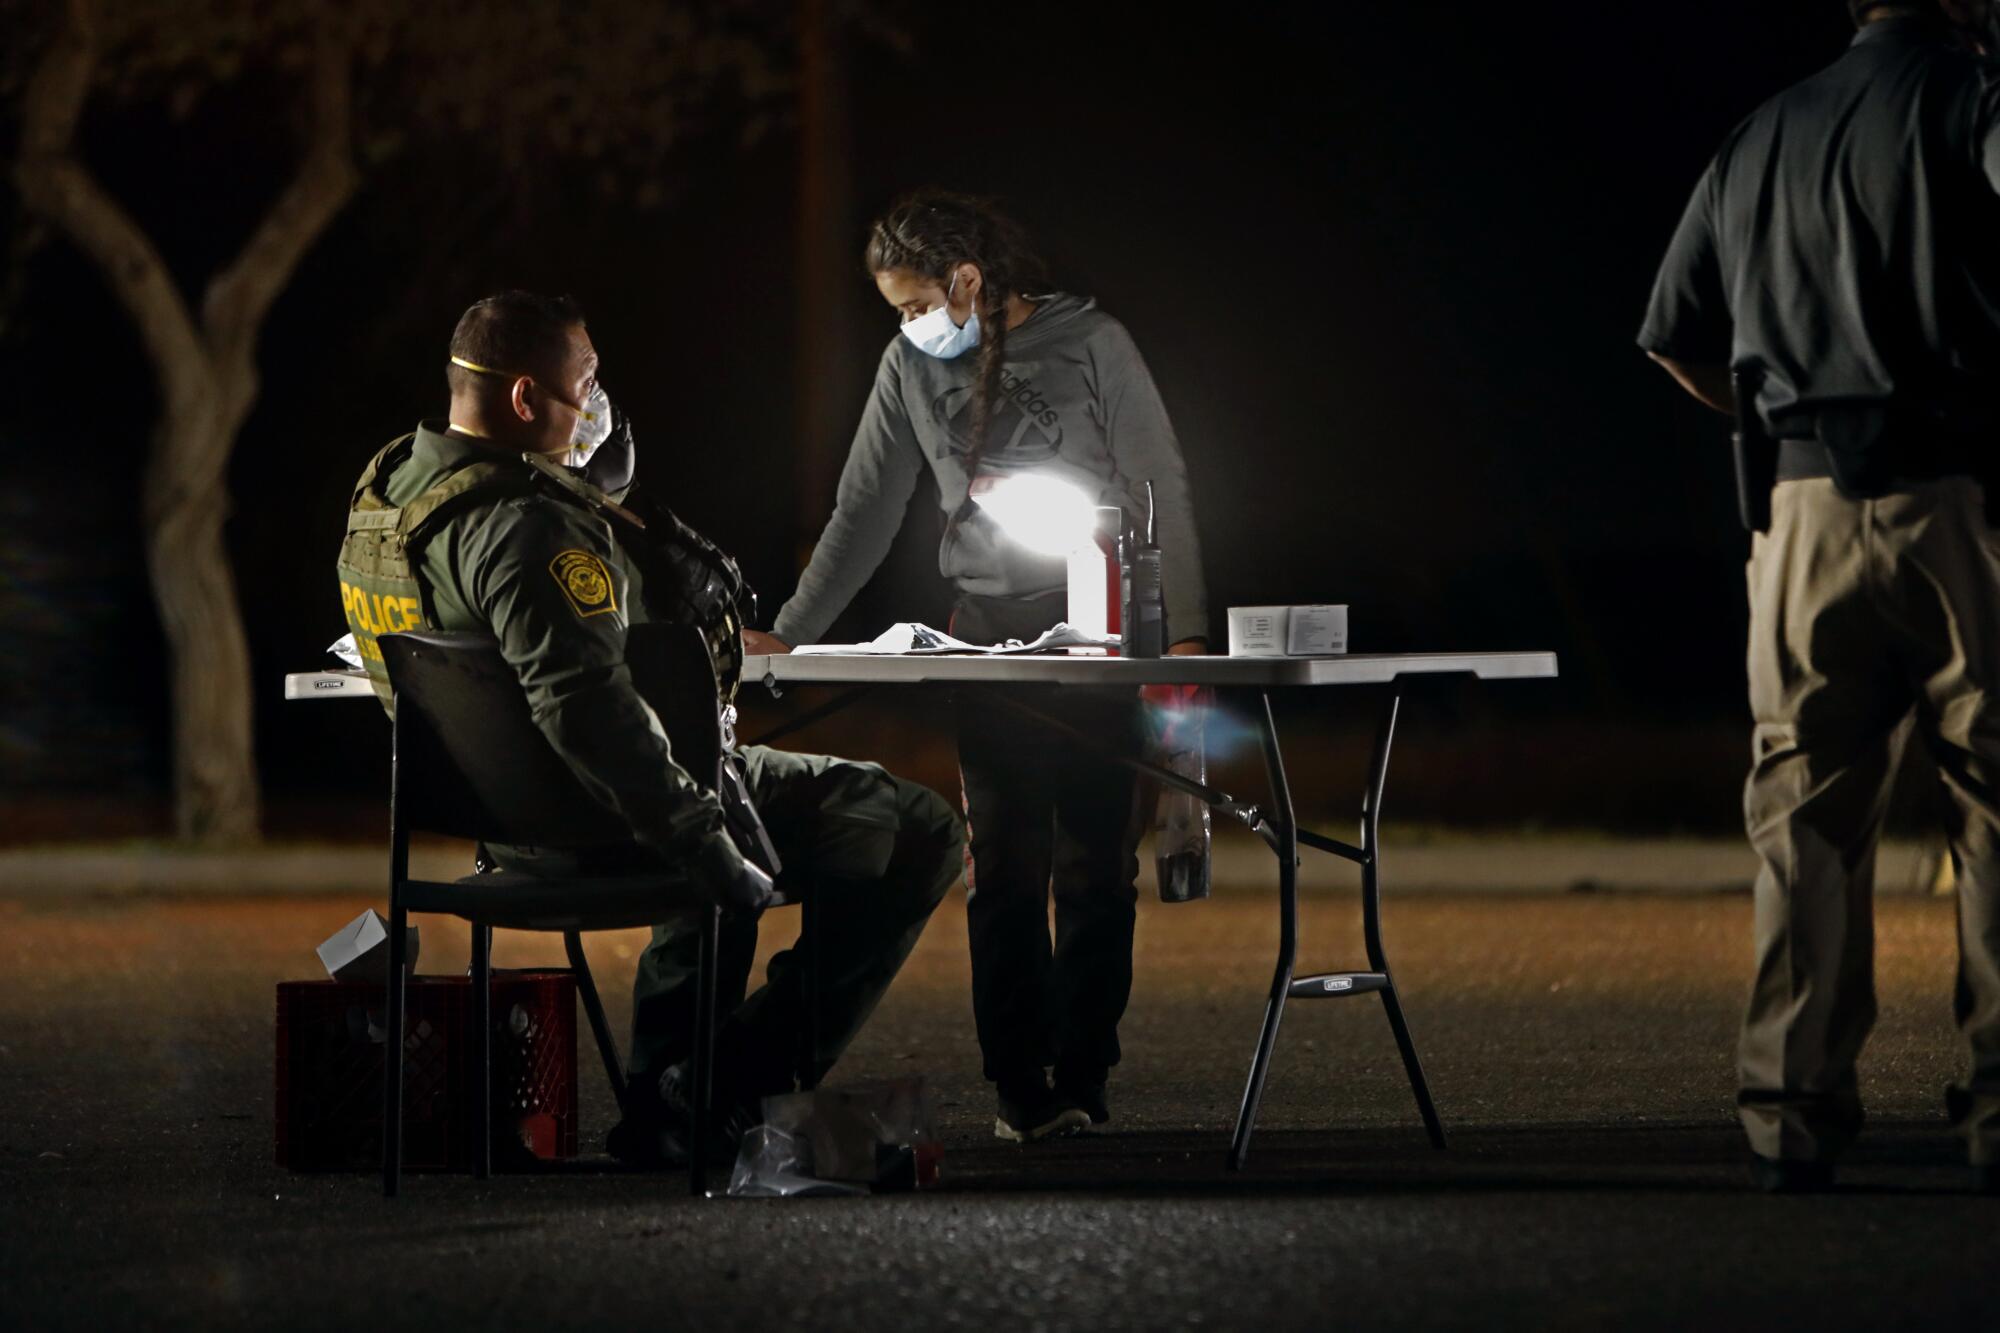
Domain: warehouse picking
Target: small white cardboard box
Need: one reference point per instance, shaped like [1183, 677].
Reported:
[1257, 631]
[1287, 631]
[359, 950]
[1316, 631]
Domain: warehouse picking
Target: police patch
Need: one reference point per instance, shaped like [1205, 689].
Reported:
[585, 581]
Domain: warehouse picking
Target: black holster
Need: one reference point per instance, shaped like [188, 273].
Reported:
[1756, 455]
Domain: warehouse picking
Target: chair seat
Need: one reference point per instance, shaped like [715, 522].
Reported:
[515, 900]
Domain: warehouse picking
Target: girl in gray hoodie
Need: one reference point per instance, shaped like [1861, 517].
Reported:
[996, 375]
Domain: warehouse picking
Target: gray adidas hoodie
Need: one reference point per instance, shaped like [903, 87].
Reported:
[1077, 402]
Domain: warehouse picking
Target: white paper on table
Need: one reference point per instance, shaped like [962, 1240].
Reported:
[907, 638]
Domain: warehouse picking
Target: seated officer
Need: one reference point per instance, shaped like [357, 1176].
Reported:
[473, 524]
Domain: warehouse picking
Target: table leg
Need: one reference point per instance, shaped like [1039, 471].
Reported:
[1286, 843]
[1371, 919]
[1279, 828]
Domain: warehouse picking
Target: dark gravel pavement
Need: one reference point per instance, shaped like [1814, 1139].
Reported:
[1579, 1047]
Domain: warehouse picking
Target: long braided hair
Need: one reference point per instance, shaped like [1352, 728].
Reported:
[930, 232]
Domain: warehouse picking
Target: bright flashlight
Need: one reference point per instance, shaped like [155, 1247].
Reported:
[1040, 512]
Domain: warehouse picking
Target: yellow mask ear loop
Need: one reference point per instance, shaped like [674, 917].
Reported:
[484, 370]
[477, 370]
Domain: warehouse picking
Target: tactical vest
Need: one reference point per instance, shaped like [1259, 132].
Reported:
[685, 578]
[380, 592]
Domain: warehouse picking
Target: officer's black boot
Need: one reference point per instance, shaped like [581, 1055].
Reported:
[658, 1127]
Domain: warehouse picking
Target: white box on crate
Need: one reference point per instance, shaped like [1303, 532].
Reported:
[359, 950]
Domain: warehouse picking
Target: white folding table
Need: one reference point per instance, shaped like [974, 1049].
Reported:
[1275, 823]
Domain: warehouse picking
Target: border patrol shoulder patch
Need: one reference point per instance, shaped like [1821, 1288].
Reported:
[585, 582]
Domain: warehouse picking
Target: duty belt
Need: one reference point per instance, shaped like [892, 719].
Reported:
[1804, 460]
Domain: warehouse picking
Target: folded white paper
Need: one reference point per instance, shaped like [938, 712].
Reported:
[344, 649]
[907, 638]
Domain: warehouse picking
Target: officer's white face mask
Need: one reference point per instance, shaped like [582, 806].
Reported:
[593, 426]
[935, 334]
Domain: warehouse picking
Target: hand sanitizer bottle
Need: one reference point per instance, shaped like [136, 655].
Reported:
[1094, 586]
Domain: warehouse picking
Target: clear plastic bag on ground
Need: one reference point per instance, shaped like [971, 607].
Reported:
[772, 1164]
[871, 1137]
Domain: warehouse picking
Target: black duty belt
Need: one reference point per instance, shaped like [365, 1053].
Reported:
[1803, 460]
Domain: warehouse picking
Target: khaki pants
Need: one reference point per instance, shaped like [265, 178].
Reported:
[1869, 620]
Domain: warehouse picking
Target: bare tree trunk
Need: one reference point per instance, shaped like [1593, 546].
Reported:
[208, 380]
[215, 776]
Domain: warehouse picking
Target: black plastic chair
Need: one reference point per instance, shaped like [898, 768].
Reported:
[469, 762]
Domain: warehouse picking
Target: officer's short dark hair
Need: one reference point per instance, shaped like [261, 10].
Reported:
[519, 332]
[1858, 10]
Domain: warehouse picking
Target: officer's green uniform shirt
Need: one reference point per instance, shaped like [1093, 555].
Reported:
[546, 579]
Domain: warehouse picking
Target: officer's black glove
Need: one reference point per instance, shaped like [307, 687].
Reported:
[732, 882]
[613, 463]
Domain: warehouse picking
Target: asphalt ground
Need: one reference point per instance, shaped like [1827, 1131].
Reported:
[1578, 1045]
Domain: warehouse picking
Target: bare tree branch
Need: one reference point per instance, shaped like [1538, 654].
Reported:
[240, 295]
[57, 185]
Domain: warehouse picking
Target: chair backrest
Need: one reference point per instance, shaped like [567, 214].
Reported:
[471, 763]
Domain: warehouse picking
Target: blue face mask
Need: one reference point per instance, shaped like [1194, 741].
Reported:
[935, 334]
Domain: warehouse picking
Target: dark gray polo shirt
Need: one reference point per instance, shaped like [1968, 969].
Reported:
[1845, 247]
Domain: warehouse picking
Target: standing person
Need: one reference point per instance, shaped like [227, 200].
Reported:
[994, 375]
[1840, 256]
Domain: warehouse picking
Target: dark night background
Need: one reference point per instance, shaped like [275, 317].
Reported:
[1386, 263]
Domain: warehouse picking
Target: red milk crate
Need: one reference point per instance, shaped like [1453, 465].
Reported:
[331, 1037]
